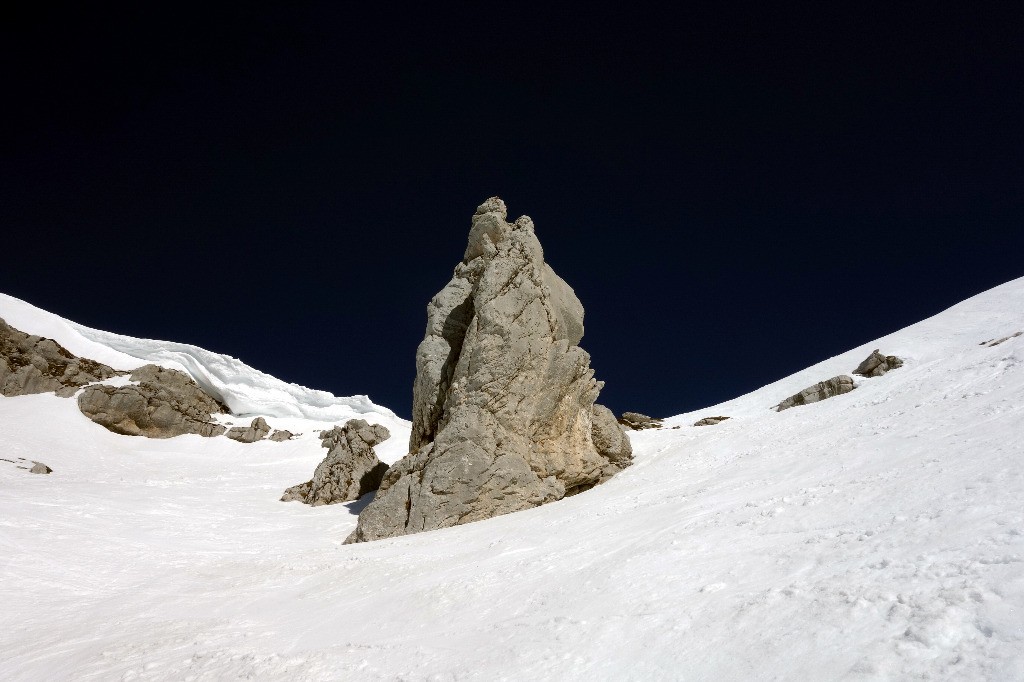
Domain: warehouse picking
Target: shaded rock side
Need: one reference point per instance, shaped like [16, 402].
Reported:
[820, 391]
[709, 421]
[258, 430]
[34, 364]
[350, 469]
[876, 364]
[638, 422]
[165, 403]
[503, 400]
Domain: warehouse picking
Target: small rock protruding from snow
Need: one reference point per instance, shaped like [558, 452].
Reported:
[279, 436]
[876, 364]
[820, 391]
[709, 421]
[40, 468]
[351, 468]
[638, 422]
[996, 342]
[258, 430]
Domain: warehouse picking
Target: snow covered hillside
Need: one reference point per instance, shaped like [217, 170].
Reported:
[876, 535]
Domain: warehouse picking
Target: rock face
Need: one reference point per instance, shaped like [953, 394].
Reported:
[33, 364]
[709, 421]
[638, 422]
[877, 364]
[820, 391]
[165, 403]
[503, 401]
[350, 469]
[258, 430]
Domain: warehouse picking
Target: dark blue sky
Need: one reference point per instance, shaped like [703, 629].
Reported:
[733, 193]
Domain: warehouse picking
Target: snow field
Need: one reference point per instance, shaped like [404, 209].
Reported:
[873, 536]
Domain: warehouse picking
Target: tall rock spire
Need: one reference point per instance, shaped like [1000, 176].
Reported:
[503, 402]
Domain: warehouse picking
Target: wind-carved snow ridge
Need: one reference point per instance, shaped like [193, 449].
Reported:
[243, 389]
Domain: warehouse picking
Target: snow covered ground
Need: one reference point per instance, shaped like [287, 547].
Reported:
[877, 535]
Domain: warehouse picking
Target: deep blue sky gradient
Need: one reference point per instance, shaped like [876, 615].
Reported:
[733, 193]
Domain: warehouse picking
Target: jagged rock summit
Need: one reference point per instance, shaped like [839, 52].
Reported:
[503, 402]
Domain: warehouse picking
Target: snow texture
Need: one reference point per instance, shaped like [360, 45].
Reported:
[876, 535]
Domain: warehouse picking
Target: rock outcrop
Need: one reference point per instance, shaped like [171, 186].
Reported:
[503, 401]
[820, 391]
[281, 436]
[995, 342]
[638, 422]
[165, 403]
[876, 364]
[34, 364]
[350, 469]
[258, 430]
[709, 421]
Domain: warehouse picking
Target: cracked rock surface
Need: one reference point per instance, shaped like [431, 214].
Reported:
[258, 430]
[503, 401]
[165, 403]
[350, 469]
[876, 364]
[820, 391]
[34, 364]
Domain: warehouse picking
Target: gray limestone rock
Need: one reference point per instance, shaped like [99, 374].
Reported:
[40, 468]
[820, 391]
[638, 422]
[165, 403]
[503, 400]
[876, 364]
[34, 364]
[350, 469]
[282, 435]
[258, 430]
[709, 421]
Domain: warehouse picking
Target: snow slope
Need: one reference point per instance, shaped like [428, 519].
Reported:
[246, 391]
[877, 535]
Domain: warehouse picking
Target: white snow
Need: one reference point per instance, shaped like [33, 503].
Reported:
[877, 535]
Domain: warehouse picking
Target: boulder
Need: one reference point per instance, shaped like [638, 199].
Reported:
[709, 421]
[503, 400]
[350, 469]
[820, 391]
[34, 364]
[638, 422]
[876, 364]
[163, 404]
[258, 430]
[40, 468]
[282, 435]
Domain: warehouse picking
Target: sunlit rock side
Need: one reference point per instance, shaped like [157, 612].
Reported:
[351, 468]
[503, 402]
[163, 404]
[34, 364]
[819, 391]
